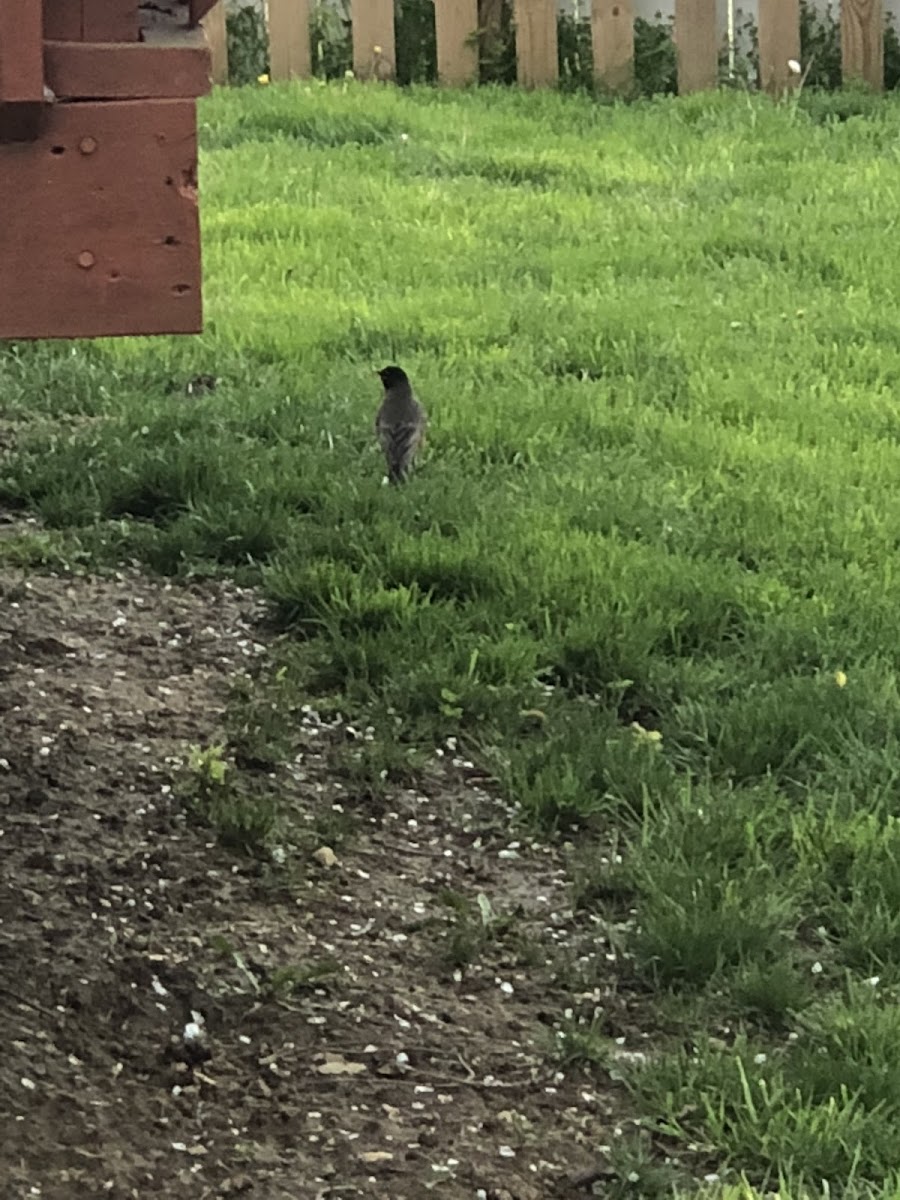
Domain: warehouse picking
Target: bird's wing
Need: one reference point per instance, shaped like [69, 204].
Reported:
[399, 437]
[400, 440]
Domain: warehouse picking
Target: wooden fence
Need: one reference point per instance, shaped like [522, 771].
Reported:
[612, 29]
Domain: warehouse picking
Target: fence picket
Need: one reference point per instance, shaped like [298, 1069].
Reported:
[217, 36]
[779, 44]
[696, 45]
[456, 28]
[290, 56]
[612, 34]
[374, 48]
[537, 53]
[862, 41]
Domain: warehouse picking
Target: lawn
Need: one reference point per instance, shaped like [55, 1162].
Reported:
[647, 574]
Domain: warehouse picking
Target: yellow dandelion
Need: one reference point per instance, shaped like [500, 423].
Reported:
[376, 49]
[650, 737]
[840, 678]
[262, 79]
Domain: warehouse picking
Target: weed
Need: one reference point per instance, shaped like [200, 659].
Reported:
[260, 717]
[637, 1172]
[333, 826]
[282, 983]
[601, 879]
[38, 548]
[242, 821]
[583, 1043]
[472, 925]
[373, 768]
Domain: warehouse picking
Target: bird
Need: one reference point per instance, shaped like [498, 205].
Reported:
[400, 423]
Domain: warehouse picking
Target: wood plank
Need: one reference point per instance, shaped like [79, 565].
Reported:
[110, 21]
[108, 242]
[21, 52]
[456, 27]
[215, 27]
[696, 44]
[131, 70]
[374, 45]
[537, 51]
[612, 33]
[21, 122]
[779, 43]
[862, 41]
[290, 52]
[63, 20]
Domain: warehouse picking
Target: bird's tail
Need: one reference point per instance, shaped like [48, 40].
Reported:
[397, 474]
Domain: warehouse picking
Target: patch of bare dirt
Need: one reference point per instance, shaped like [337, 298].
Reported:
[150, 1047]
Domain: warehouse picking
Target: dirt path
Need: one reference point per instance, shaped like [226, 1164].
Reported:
[338, 1053]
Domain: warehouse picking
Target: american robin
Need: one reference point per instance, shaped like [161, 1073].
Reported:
[400, 424]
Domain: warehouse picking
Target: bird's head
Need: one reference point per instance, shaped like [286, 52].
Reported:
[393, 377]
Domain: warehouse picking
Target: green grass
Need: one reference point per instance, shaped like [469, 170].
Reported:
[660, 351]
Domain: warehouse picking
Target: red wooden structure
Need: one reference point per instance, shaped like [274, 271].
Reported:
[99, 227]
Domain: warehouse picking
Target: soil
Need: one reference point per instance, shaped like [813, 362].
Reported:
[180, 1021]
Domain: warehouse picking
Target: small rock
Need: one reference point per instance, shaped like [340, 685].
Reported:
[325, 857]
